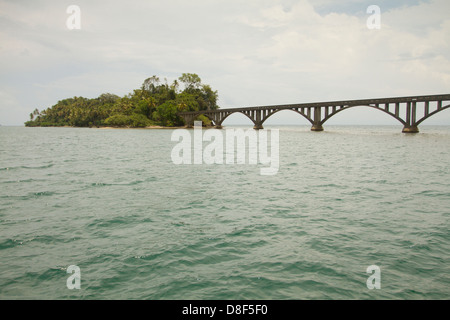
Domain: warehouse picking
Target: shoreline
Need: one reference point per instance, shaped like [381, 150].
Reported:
[103, 128]
[149, 127]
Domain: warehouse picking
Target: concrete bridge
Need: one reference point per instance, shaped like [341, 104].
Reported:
[409, 111]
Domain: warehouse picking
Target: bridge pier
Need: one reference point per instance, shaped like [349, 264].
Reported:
[412, 129]
[317, 127]
[189, 121]
[218, 126]
[258, 121]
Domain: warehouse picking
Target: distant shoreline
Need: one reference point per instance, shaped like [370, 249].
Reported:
[149, 127]
[109, 127]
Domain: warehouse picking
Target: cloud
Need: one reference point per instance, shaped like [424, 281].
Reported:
[253, 52]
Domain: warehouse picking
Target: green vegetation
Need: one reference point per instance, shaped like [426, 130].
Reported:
[155, 103]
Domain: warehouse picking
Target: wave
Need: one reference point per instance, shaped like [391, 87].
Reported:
[27, 167]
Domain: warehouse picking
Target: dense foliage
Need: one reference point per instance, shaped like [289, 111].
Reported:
[155, 103]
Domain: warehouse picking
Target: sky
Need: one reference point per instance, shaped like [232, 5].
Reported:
[254, 52]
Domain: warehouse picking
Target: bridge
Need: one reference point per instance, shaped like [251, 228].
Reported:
[409, 111]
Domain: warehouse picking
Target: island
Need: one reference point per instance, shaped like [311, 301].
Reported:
[155, 104]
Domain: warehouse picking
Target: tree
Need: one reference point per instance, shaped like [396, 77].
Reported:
[153, 103]
[166, 114]
[108, 98]
[191, 81]
[150, 84]
[175, 85]
[210, 97]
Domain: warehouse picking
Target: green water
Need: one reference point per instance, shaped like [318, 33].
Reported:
[140, 227]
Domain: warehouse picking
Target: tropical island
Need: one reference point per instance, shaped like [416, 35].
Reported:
[154, 104]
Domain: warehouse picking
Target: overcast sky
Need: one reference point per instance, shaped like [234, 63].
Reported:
[254, 52]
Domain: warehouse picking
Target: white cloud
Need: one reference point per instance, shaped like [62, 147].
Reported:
[254, 52]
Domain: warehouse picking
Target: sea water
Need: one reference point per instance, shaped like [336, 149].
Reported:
[112, 203]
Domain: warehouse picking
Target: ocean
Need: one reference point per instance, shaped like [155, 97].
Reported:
[138, 226]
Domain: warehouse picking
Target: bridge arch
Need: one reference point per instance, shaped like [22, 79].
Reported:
[432, 114]
[270, 114]
[209, 117]
[363, 105]
[235, 112]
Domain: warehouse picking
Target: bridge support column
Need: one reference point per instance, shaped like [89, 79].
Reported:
[411, 126]
[317, 127]
[189, 121]
[258, 126]
[412, 129]
[218, 126]
[189, 124]
[258, 122]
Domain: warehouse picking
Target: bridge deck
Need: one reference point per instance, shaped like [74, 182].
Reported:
[334, 103]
